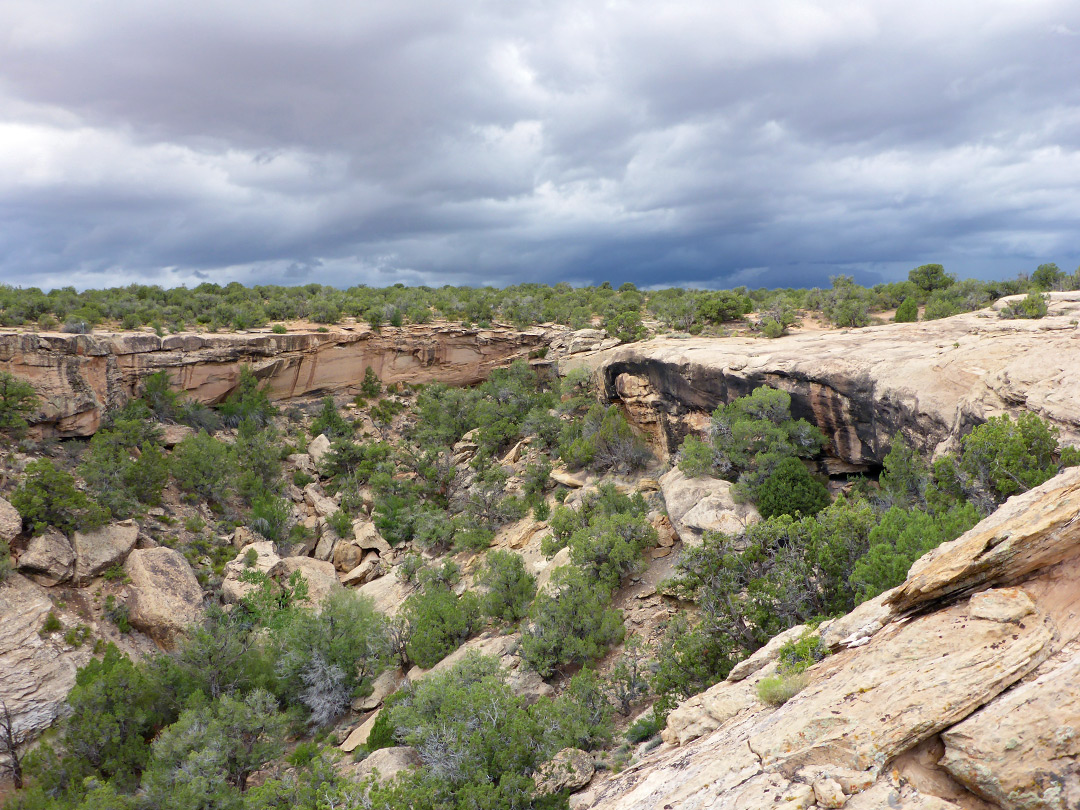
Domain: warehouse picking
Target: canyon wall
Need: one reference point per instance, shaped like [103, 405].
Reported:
[932, 381]
[79, 377]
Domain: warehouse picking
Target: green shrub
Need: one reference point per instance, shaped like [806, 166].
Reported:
[330, 421]
[47, 496]
[510, 587]
[247, 402]
[341, 522]
[270, 517]
[790, 489]
[118, 613]
[645, 728]
[908, 311]
[202, 466]
[7, 567]
[439, 622]
[51, 625]
[777, 690]
[749, 438]
[1031, 306]
[18, 400]
[572, 624]
[371, 386]
[279, 329]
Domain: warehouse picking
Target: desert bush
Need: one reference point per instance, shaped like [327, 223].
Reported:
[908, 311]
[203, 467]
[18, 400]
[790, 489]
[439, 622]
[1031, 306]
[47, 496]
[570, 624]
[510, 587]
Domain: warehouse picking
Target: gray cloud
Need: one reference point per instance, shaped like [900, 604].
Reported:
[696, 141]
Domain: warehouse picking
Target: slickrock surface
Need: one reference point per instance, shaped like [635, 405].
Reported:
[81, 376]
[961, 692]
[932, 380]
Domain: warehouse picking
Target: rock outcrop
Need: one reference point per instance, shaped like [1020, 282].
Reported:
[931, 380]
[955, 690]
[79, 377]
[165, 597]
[698, 505]
[10, 522]
[48, 558]
[101, 549]
[36, 673]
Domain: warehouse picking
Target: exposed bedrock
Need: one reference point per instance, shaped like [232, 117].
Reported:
[79, 377]
[955, 691]
[932, 380]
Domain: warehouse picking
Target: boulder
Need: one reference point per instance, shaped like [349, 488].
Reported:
[567, 479]
[323, 506]
[49, 558]
[328, 541]
[232, 588]
[367, 570]
[387, 592]
[36, 674]
[320, 576]
[359, 735]
[386, 763]
[302, 462]
[318, 448]
[697, 505]
[347, 554]
[103, 548]
[528, 685]
[10, 522]
[172, 435]
[570, 769]
[164, 595]
[560, 559]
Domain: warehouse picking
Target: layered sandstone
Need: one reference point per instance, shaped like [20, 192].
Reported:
[933, 380]
[79, 377]
[958, 692]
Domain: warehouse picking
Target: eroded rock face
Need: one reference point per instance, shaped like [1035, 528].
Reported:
[36, 673]
[165, 597]
[79, 377]
[1023, 751]
[932, 380]
[955, 690]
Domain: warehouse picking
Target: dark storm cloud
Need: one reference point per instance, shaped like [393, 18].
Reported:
[694, 141]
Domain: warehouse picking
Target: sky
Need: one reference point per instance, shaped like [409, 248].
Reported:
[707, 143]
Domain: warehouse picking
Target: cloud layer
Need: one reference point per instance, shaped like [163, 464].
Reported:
[708, 142]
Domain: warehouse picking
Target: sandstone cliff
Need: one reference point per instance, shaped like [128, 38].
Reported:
[79, 377]
[932, 380]
[958, 689]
